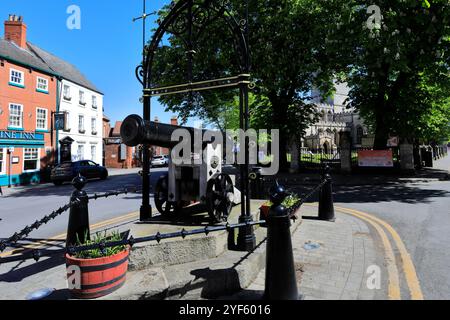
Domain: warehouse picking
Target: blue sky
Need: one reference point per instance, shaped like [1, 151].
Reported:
[107, 49]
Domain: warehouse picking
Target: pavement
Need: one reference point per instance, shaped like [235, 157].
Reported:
[332, 260]
[419, 212]
[22, 206]
[389, 234]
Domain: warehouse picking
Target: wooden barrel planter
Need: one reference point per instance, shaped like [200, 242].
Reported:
[101, 276]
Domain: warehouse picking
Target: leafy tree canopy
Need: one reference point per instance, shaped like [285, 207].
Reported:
[397, 62]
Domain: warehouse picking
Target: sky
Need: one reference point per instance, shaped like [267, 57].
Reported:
[106, 49]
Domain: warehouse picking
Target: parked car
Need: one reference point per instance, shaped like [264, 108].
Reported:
[67, 171]
[160, 161]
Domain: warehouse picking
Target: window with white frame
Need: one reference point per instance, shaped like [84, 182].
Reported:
[66, 92]
[80, 152]
[81, 124]
[30, 159]
[42, 84]
[93, 152]
[94, 102]
[67, 121]
[2, 161]
[94, 126]
[16, 77]
[41, 119]
[82, 100]
[15, 116]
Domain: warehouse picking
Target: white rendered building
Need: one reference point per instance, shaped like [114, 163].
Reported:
[83, 109]
[82, 105]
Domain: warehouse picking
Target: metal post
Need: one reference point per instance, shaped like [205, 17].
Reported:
[9, 167]
[281, 280]
[256, 183]
[246, 239]
[326, 203]
[78, 228]
[146, 208]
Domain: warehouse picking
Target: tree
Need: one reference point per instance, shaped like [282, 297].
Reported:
[397, 64]
[288, 56]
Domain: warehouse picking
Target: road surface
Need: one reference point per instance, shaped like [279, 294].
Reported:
[23, 206]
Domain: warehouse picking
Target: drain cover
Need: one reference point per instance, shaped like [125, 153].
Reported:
[40, 294]
[309, 246]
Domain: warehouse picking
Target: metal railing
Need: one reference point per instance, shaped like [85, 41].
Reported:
[25, 232]
[38, 254]
[281, 282]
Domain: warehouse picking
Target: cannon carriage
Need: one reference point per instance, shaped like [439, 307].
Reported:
[197, 179]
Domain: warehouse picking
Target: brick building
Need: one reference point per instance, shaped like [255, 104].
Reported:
[41, 122]
[119, 156]
[28, 99]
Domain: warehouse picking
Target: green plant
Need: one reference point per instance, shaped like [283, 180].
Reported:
[289, 202]
[100, 237]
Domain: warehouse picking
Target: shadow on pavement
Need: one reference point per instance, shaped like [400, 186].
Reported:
[18, 273]
[385, 193]
[378, 193]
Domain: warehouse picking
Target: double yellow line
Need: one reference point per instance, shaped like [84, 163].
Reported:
[394, 291]
[53, 240]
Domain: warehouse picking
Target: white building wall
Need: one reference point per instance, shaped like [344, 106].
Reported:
[75, 109]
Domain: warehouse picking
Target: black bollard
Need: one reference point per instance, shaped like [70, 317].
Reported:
[255, 179]
[78, 229]
[326, 203]
[281, 281]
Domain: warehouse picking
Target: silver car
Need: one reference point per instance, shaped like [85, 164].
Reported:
[160, 161]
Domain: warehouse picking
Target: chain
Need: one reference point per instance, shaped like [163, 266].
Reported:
[301, 202]
[35, 226]
[114, 193]
[39, 254]
[22, 235]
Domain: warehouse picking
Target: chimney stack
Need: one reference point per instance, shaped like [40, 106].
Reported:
[16, 30]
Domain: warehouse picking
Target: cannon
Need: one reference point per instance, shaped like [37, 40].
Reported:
[185, 184]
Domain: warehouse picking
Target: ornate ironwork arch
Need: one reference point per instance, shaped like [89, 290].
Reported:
[200, 14]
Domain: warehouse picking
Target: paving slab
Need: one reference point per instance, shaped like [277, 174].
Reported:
[337, 268]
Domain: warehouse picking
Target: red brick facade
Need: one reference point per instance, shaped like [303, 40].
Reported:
[26, 145]
[119, 156]
[16, 31]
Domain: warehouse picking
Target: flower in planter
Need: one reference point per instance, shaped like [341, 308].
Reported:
[290, 202]
[96, 273]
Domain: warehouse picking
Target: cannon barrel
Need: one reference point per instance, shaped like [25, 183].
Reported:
[136, 131]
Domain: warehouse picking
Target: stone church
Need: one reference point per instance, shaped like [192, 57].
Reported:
[323, 137]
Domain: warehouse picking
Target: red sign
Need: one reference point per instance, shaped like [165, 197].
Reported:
[376, 158]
